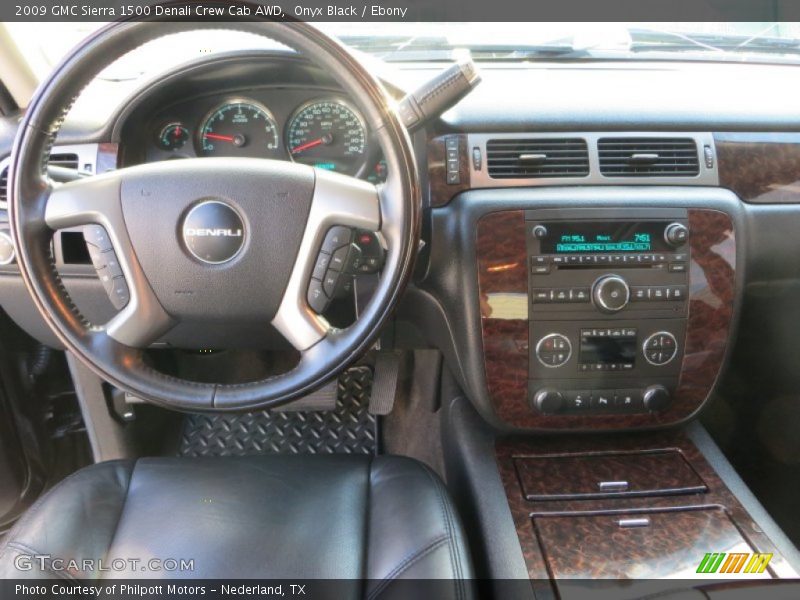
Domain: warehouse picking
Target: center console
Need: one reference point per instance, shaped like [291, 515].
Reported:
[604, 317]
[610, 301]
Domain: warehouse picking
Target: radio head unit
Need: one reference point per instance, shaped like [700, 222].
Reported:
[608, 302]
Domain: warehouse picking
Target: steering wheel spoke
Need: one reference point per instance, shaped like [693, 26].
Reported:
[338, 202]
[94, 203]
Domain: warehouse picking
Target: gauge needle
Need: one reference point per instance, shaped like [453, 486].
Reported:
[325, 139]
[216, 136]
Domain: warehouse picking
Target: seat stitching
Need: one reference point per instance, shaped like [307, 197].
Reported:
[24, 548]
[406, 563]
[455, 562]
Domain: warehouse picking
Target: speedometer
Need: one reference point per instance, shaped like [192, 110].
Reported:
[239, 128]
[328, 134]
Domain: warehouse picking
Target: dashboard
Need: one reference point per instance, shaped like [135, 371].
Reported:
[487, 291]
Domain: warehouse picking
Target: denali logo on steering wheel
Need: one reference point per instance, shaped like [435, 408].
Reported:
[213, 232]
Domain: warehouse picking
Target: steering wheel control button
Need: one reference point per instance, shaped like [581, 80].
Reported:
[119, 293]
[553, 350]
[316, 297]
[611, 293]
[95, 235]
[372, 255]
[323, 261]
[213, 232]
[7, 252]
[330, 282]
[336, 237]
[660, 348]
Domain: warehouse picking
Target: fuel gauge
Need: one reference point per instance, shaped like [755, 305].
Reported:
[173, 136]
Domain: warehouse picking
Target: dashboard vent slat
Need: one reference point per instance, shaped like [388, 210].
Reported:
[666, 157]
[68, 160]
[4, 185]
[530, 158]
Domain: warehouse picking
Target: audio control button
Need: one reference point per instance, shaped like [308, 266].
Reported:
[676, 234]
[611, 293]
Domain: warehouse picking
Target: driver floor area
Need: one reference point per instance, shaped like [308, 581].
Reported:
[347, 429]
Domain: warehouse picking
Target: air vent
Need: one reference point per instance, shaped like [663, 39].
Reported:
[67, 161]
[4, 185]
[648, 157]
[537, 158]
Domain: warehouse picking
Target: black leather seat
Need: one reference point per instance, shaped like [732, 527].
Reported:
[287, 517]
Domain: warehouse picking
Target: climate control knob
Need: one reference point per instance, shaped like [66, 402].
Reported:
[548, 401]
[611, 293]
[676, 234]
[656, 398]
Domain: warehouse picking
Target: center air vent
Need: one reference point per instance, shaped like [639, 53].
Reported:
[67, 161]
[648, 157]
[535, 158]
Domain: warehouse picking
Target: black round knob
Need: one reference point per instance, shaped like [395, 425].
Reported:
[539, 232]
[676, 234]
[656, 398]
[548, 401]
[611, 293]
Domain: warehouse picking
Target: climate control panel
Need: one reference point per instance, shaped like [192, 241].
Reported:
[551, 401]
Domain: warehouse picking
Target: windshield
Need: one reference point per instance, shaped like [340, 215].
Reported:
[44, 44]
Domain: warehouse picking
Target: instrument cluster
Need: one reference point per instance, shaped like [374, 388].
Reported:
[324, 131]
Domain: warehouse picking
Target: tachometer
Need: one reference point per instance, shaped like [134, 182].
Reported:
[328, 134]
[239, 128]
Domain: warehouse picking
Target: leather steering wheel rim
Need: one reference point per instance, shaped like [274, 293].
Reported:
[37, 209]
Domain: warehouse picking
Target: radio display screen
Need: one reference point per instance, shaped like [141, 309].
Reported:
[604, 237]
[607, 350]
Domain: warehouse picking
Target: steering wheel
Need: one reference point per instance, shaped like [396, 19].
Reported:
[245, 232]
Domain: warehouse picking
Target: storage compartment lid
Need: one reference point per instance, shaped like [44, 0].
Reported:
[608, 474]
[645, 546]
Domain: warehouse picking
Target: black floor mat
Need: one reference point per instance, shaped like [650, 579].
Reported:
[349, 429]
